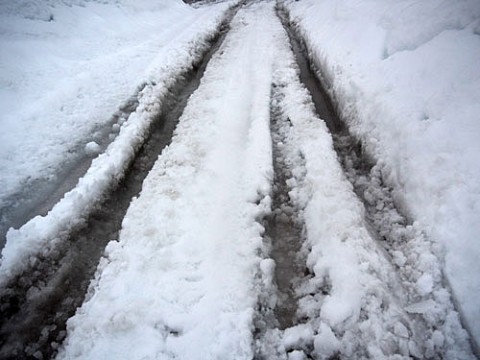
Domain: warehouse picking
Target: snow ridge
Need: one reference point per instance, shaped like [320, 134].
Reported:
[41, 234]
[353, 304]
[183, 280]
[408, 85]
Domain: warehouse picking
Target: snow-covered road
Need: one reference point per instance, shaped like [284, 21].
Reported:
[191, 277]
[256, 234]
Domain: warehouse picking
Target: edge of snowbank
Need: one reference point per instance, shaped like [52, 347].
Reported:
[446, 208]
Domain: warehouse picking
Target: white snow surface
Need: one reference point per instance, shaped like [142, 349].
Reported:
[356, 304]
[175, 38]
[182, 281]
[66, 66]
[405, 74]
[190, 270]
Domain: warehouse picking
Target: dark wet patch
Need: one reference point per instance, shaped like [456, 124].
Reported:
[284, 227]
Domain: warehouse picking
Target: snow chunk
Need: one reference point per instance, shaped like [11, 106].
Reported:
[425, 284]
[297, 355]
[401, 330]
[326, 344]
[92, 148]
[298, 337]
[421, 307]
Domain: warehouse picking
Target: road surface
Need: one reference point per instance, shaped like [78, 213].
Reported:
[250, 225]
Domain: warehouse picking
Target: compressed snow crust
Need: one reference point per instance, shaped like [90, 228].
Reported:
[41, 234]
[406, 76]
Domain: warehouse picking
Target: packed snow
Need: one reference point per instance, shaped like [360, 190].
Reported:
[405, 76]
[171, 52]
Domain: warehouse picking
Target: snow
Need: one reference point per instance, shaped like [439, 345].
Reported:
[190, 273]
[184, 277]
[92, 148]
[62, 80]
[355, 297]
[326, 343]
[172, 54]
[405, 75]
[191, 276]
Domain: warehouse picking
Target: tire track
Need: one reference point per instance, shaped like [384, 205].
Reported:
[36, 304]
[284, 225]
[435, 326]
[284, 234]
[37, 197]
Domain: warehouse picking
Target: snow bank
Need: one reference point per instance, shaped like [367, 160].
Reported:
[405, 75]
[183, 280]
[66, 66]
[173, 54]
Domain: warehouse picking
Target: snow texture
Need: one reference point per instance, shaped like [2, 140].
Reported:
[176, 52]
[184, 277]
[67, 66]
[405, 75]
[190, 273]
[353, 305]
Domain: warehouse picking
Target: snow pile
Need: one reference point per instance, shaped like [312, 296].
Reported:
[173, 54]
[406, 76]
[183, 280]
